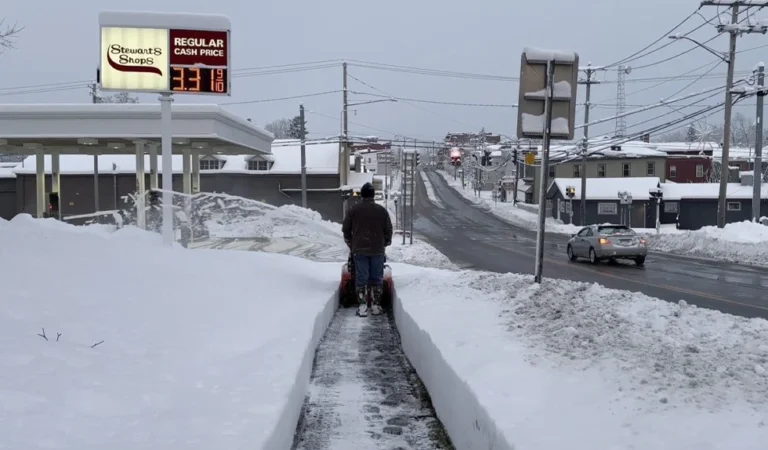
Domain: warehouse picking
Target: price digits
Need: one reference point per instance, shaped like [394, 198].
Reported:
[199, 79]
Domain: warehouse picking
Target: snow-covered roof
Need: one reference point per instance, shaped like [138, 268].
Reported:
[358, 179]
[6, 170]
[735, 191]
[181, 21]
[543, 55]
[608, 188]
[598, 150]
[322, 158]
[62, 127]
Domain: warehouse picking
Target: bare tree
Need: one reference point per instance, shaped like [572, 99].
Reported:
[120, 97]
[280, 128]
[8, 35]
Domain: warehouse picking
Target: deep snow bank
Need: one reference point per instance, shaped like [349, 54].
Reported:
[149, 347]
[741, 242]
[302, 232]
[507, 361]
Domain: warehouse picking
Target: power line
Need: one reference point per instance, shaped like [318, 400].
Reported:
[408, 102]
[438, 102]
[293, 97]
[635, 56]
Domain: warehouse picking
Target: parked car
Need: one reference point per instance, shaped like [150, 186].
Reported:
[604, 242]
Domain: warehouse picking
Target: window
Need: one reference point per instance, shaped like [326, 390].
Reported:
[584, 232]
[699, 170]
[672, 171]
[577, 171]
[650, 169]
[606, 209]
[210, 164]
[552, 171]
[601, 171]
[671, 207]
[626, 170]
[256, 164]
[734, 206]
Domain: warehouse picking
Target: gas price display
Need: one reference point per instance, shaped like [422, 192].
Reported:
[204, 80]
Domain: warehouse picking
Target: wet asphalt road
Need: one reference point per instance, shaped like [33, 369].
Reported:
[474, 238]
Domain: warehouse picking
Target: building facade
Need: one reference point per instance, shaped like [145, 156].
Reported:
[603, 167]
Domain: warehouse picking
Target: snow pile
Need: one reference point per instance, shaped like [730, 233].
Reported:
[506, 360]
[146, 347]
[521, 216]
[741, 242]
[298, 231]
[430, 190]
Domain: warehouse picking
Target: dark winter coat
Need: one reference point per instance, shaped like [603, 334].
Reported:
[367, 228]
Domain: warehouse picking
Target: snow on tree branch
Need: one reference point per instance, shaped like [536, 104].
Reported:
[8, 35]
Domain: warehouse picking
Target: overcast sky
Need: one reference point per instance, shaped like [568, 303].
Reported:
[60, 45]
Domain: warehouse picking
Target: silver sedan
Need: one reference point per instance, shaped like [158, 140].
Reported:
[601, 242]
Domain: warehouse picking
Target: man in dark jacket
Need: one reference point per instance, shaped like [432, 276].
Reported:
[367, 231]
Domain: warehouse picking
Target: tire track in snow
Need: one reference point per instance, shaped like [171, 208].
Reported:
[364, 394]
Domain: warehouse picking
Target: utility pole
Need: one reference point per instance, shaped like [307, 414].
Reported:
[725, 162]
[735, 30]
[344, 166]
[96, 99]
[517, 172]
[758, 174]
[585, 142]
[303, 158]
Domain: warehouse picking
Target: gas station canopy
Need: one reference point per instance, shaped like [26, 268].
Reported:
[113, 128]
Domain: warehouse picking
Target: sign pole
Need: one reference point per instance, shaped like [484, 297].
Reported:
[166, 122]
[539, 268]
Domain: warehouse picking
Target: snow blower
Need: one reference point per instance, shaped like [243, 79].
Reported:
[347, 297]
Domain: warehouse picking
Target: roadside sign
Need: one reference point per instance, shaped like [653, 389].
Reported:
[530, 159]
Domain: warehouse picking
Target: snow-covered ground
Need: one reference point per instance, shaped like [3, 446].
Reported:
[511, 364]
[743, 242]
[166, 348]
[149, 347]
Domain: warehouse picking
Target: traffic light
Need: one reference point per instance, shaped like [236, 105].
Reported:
[570, 191]
[418, 158]
[514, 157]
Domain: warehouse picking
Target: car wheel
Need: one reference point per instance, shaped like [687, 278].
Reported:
[593, 256]
[571, 256]
[640, 260]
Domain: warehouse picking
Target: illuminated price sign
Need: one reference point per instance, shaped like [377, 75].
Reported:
[204, 80]
[199, 62]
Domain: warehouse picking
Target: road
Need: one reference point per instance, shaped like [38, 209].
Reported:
[474, 238]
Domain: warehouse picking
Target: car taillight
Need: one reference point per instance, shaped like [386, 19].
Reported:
[603, 241]
[643, 241]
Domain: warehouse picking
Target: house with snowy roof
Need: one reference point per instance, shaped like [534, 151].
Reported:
[605, 160]
[603, 201]
[273, 178]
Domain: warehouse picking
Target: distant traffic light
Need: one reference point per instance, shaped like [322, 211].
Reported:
[514, 157]
[418, 158]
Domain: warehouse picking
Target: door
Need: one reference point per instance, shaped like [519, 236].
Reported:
[638, 216]
[580, 244]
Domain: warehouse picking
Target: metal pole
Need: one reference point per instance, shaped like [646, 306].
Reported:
[539, 268]
[517, 173]
[758, 174]
[658, 219]
[404, 172]
[96, 204]
[303, 158]
[413, 188]
[166, 122]
[585, 147]
[724, 172]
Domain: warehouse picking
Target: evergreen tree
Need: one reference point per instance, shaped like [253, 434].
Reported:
[294, 130]
[691, 134]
